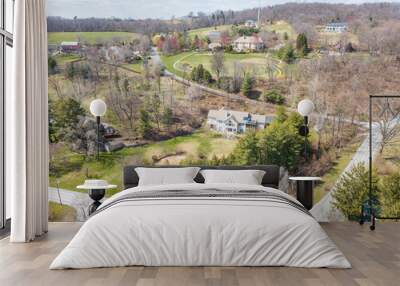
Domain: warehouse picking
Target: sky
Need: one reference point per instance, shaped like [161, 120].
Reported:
[164, 9]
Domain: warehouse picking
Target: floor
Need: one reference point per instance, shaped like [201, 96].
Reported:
[375, 257]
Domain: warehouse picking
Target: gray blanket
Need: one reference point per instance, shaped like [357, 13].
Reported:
[205, 194]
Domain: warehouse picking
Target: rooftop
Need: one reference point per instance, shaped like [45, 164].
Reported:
[251, 39]
[240, 116]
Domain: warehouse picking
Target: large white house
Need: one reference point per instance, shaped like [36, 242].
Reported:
[236, 122]
[245, 43]
[251, 24]
[336, 27]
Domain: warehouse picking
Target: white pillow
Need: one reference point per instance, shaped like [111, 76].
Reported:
[166, 176]
[247, 177]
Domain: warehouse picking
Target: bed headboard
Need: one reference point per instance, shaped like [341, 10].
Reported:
[271, 178]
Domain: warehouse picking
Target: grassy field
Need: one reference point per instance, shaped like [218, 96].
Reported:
[62, 60]
[59, 212]
[73, 169]
[252, 62]
[203, 32]
[280, 27]
[330, 178]
[90, 37]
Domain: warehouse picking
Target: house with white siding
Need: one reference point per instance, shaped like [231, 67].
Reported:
[236, 122]
[246, 43]
[336, 27]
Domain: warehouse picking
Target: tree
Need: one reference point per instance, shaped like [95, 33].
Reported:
[287, 54]
[145, 127]
[217, 64]
[168, 117]
[237, 79]
[352, 190]
[285, 36]
[246, 151]
[274, 96]
[247, 85]
[64, 116]
[390, 196]
[302, 45]
[52, 65]
[388, 122]
[124, 100]
[200, 74]
[280, 144]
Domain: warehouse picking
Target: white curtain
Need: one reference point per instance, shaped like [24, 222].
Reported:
[27, 124]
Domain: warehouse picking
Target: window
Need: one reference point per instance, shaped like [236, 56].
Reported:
[6, 43]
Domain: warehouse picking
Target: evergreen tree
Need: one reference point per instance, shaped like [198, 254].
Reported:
[64, 116]
[280, 144]
[285, 36]
[247, 85]
[52, 65]
[145, 127]
[390, 197]
[352, 191]
[246, 151]
[302, 45]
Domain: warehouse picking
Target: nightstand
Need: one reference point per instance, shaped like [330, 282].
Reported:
[304, 189]
[96, 190]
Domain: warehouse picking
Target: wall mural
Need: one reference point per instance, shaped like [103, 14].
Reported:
[218, 87]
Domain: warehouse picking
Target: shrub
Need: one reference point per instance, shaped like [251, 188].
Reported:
[200, 74]
[390, 196]
[286, 54]
[352, 190]
[274, 96]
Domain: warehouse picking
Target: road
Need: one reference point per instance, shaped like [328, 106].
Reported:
[323, 211]
[79, 201]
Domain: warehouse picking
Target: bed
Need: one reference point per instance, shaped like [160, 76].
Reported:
[198, 224]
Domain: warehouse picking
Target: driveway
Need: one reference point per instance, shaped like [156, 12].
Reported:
[324, 211]
[79, 201]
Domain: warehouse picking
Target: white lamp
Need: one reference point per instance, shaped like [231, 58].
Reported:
[305, 107]
[98, 108]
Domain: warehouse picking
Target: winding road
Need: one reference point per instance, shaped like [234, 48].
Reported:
[324, 211]
[79, 201]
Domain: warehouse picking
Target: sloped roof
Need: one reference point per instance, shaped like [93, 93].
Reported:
[337, 24]
[239, 116]
[70, 44]
[251, 40]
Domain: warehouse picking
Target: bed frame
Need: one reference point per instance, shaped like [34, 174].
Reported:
[271, 178]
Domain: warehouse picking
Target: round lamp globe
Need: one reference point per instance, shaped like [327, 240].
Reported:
[305, 107]
[98, 107]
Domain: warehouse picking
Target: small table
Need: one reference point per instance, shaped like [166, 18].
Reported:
[304, 190]
[96, 190]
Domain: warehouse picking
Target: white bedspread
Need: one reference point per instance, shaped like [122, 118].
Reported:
[202, 232]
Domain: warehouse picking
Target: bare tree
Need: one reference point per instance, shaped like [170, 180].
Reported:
[388, 122]
[218, 64]
[125, 102]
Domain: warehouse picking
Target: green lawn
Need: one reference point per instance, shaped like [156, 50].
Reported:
[90, 37]
[62, 213]
[64, 59]
[203, 32]
[280, 27]
[250, 62]
[136, 67]
[72, 169]
[331, 177]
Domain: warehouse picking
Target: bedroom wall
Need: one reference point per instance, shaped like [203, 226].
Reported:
[179, 89]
